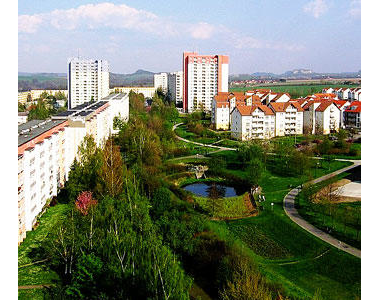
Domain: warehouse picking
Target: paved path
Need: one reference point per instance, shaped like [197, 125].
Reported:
[30, 287]
[293, 214]
[200, 144]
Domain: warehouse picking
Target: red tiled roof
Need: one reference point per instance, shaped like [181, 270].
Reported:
[282, 106]
[354, 107]
[339, 103]
[245, 110]
[324, 105]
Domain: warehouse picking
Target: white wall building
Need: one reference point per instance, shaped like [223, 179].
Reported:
[147, 91]
[203, 77]
[252, 122]
[223, 104]
[88, 80]
[175, 87]
[119, 107]
[22, 117]
[161, 81]
[41, 154]
[321, 117]
[46, 150]
[288, 118]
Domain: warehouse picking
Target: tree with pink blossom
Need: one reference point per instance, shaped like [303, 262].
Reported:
[84, 201]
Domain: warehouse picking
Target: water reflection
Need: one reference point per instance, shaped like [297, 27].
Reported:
[211, 189]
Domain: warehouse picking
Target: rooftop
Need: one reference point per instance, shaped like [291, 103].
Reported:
[34, 128]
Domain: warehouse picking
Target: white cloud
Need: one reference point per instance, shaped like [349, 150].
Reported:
[202, 31]
[109, 15]
[316, 8]
[29, 24]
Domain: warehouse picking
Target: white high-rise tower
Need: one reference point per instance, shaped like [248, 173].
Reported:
[88, 80]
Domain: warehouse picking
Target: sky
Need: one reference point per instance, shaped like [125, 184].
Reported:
[258, 35]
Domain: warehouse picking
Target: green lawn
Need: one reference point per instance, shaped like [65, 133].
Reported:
[294, 90]
[287, 254]
[345, 222]
[35, 294]
[37, 274]
[274, 240]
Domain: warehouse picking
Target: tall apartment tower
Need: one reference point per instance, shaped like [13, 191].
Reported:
[203, 77]
[88, 80]
[161, 81]
[175, 86]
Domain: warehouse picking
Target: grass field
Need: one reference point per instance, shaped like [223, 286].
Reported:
[30, 272]
[294, 90]
[287, 254]
[345, 221]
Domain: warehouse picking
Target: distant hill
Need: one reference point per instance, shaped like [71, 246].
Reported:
[295, 74]
[30, 81]
[140, 77]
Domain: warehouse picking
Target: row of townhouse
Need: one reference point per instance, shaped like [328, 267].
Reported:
[346, 118]
[249, 117]
[47, 148]
[224, 102]
[345, 93]
[266, 121]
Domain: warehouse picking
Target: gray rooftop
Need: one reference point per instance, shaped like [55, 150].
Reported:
[34, 128]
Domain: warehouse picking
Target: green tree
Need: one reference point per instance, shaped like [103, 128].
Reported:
[39, 112]
[110, 174]
[254, 172]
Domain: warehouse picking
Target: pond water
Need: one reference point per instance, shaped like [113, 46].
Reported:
[208, 189]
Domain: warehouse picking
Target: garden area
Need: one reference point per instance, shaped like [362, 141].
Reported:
[321, 205]
[283, 251]
[150, 235]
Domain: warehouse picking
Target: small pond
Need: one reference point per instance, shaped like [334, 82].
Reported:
[215, 189]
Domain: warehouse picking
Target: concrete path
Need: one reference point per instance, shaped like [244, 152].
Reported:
[200, 144]
[293, 214]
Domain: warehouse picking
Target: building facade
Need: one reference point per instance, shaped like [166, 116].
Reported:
[203, 77]
[161, 81]
[41, 151]
[321, 117]
[88, 80]
[47, 149]
[148, 92]
[352, 115]
[252, 122]
[175, 87]
[288, 118]
[119, 108]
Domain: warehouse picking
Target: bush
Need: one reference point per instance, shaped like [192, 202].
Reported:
[354, 152]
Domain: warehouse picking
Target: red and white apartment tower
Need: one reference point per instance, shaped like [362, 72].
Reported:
[204, 77]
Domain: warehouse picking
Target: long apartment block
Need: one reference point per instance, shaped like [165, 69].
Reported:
[47, 148]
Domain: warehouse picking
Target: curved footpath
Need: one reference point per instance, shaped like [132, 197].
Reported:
[288, 202]
[199, 144]
[293, 214]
